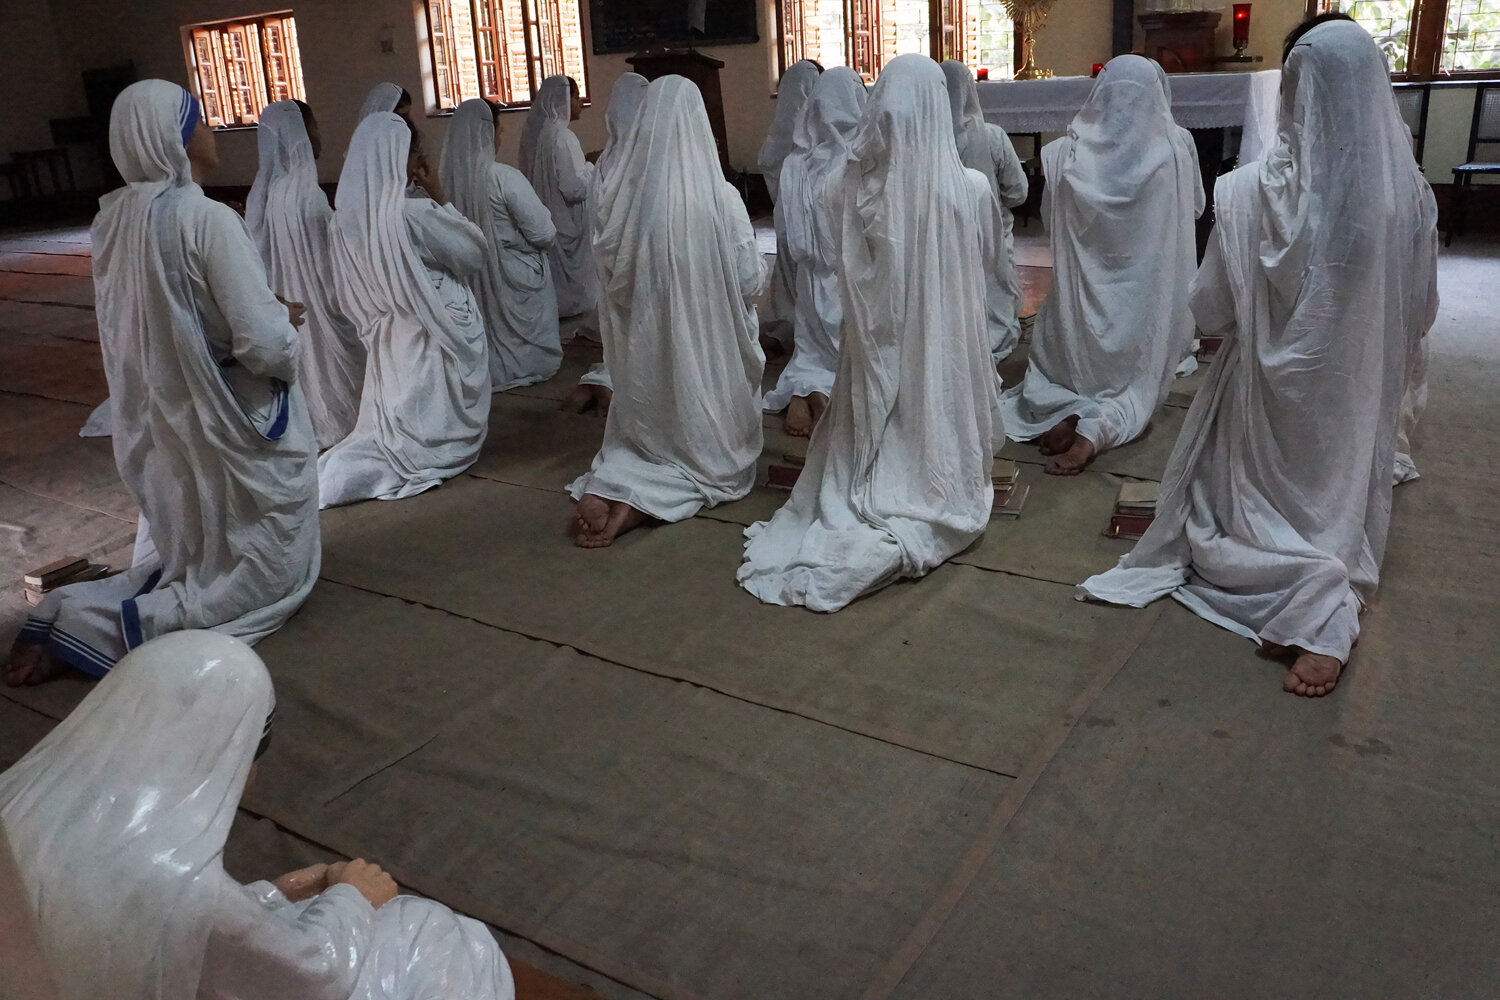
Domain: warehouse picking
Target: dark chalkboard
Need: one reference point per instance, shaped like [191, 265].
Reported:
[633, 25]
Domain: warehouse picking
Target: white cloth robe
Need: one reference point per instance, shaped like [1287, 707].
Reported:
[118, 820]
[553, 162]
[1123, 189]
[514, 288]
[335, 946]
[986, 148]
[680, 267]
[791, 95]
[1322, 275]
[897, 477]
[288, 215]
[401, 265]
[625, 99]
[809, 176]
[211, 435]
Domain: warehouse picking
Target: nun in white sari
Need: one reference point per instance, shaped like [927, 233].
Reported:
[1123, 189]
[514, 287]
[680, 268]
[809, 176]
[288, 215]
[1322, 275]
[897, 477]
[118, 819]
[401, 266]
[791, 95]
[553, 162]
[986, 148]
[625, 98]
[211, 434]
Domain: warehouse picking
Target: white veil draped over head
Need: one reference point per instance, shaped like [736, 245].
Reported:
[384, 287]
[1323, 269]
[382, 97]
[897, 477]
[287, 172]
[968, 119]
[824, 133]
[552, 105]
[676, 252]
[791, 94]
[468, 153]
[1123, 189]
[625, 100]
[118, 817]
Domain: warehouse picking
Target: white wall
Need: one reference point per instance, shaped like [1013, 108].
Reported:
[341, 57]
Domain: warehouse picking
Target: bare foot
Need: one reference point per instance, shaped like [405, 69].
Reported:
[580, 400]
[30, 663]
[773, 349]
[799, 420]
[1313, 675]
[1060, 438]
[591, 515]
[817, 403]
[622, 518]
[1074, 460]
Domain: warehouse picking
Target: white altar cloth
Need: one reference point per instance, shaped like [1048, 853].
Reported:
[1199, 100]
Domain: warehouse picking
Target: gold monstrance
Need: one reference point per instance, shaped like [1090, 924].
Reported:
[1030, 14]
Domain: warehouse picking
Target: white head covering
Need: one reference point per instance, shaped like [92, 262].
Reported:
[824, 132]
[375, 265]
[468, 152]
[625, 100]
[382, 97]
[288, 173]
[553, 104]
[119, 816]
[791, 94]
[963, 101]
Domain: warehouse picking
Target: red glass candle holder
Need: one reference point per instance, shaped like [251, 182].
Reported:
[1097, 69]
[1241, 25]
[983, 74]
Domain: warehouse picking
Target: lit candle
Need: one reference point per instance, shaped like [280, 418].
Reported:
[1098, 68]
[1241, 25]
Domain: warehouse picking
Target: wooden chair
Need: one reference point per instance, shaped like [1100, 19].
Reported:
[1411, 101]
[1484, 138]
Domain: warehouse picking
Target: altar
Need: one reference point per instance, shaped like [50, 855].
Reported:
[1199, 101]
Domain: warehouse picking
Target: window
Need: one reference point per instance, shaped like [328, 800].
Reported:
[502, 50]
[867, 34]
[240, 66]
[1423, 40]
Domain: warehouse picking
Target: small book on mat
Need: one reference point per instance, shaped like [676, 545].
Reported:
[54, 573]
[1009, 501]
[1004, 473]
[1135, 508]
[1208, 347]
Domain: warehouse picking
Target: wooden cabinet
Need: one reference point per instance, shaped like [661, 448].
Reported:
[1183, 42]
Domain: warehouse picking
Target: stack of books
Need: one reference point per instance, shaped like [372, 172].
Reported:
[1208, 347]
[1010, 495]
[1135, 509]
[783, 475]
[69, 569]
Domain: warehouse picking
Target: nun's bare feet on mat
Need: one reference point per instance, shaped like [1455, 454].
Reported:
[579, 400]
[30, 663]
[621, 518]
[1060, 438]
[799, 419]
[1313, 675]
[591, 515]
[817, 403]
[1276, 651]
[1074, 460]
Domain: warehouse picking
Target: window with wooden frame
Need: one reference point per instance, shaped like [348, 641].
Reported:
[1429, 40]
[866, 34]
[240, 66]
[502, 50]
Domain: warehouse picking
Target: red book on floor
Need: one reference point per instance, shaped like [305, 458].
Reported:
[1130, 526]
